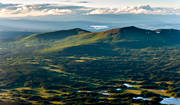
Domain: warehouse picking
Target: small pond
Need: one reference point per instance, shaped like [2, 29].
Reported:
[171, 100]
[128, 85]
[118, 89]
[138, 98]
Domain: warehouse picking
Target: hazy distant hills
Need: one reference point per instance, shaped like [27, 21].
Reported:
[88, 21]
[14, 34]
[46, 26]
[79, 41]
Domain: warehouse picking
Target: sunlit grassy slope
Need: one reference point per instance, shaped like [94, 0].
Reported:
[129, 37]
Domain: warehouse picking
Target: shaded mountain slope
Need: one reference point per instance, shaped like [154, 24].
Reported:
[57, 34]
[107, 41]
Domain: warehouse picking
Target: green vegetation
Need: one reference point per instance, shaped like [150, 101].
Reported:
[81, 67]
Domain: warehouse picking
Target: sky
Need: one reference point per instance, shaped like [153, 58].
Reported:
[26, 8]
[103, 3]
[89, 14]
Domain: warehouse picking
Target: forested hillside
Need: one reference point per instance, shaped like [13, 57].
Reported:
[125, 66]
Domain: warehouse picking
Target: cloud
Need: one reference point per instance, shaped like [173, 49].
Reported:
[83, 2]
[24, 10]
[144, 9]
[21, 10]
[6, 5]
[99, 27]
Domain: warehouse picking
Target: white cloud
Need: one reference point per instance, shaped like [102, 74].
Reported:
[98, 27]
[144, 9]
[31, 10]
[24, 10]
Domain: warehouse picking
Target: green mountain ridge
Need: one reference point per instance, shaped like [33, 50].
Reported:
[57, 34]
[126, 37]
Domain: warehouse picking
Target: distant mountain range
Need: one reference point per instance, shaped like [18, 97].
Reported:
[14, 34]
[79, 41]
[89, 22]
